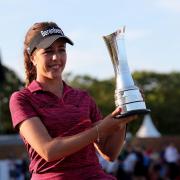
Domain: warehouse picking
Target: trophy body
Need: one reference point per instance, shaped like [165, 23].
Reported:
[127, 95]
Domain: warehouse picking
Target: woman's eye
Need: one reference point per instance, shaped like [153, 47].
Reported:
[51, 51]
[48, 51]
[62, 50]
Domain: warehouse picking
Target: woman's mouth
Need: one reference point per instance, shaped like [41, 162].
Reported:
[55, 67]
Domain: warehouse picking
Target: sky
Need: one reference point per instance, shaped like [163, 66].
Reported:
[152, 36]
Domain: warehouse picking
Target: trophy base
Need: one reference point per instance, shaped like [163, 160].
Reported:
[133, 112]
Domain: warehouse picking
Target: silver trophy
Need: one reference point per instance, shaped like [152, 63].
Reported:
[127, 95]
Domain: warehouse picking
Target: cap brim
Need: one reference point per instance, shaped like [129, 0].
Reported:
[48, 41]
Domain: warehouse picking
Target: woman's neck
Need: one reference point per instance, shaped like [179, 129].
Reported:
[55, 86]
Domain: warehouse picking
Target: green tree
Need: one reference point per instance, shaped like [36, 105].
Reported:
[162, 96]
[8, 85]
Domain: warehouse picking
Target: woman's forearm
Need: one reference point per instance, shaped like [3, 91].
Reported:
[64, 146]
[115, 142]
[50, 148]
[112, 144]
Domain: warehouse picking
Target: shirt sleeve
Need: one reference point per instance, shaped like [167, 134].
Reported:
[20, 108]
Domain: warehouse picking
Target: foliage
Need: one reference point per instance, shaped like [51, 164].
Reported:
[8, 85]
[163, 98]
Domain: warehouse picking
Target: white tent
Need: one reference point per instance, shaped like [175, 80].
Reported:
[147, 129]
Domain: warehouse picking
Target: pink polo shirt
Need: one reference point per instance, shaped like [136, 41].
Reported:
[69, 115]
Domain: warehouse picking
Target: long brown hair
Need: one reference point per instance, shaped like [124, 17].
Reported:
[30, 69]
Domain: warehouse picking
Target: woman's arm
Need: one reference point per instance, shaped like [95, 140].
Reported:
[110, 145]
[50, 148]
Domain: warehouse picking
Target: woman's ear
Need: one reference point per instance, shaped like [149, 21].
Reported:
[33, 60]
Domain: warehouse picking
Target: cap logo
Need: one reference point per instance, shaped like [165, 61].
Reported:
[40, 39]
[51, 31]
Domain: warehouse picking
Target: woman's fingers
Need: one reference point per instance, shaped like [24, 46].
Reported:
[116, 112]
[110, 123]
[127, 119]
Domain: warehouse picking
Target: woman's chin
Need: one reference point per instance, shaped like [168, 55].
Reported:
[55, 76]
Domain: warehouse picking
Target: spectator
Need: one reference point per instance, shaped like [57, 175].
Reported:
[171, 157]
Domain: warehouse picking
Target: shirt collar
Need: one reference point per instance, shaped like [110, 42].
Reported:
[35, 86]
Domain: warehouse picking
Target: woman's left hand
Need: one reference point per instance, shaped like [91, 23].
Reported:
[123, 120]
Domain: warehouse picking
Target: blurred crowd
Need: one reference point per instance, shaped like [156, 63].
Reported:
[137, 163]
[14, 169]
[134, 163]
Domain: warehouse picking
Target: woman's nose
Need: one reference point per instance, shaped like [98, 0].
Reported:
[56, 55]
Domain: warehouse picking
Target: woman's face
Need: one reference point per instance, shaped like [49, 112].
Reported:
[50, 62]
